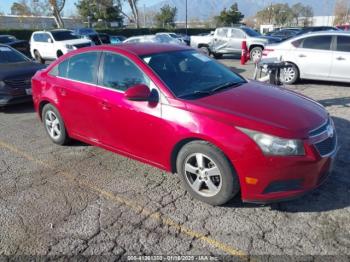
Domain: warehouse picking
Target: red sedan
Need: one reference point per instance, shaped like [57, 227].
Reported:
[179, 110]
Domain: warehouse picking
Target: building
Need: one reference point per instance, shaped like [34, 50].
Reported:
[35, 22]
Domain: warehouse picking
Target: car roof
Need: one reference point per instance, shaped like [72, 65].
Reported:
[328, 32]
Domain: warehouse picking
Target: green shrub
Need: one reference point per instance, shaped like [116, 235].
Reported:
[24, 34]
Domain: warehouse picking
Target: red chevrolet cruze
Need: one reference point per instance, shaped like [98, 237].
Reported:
[179, 110]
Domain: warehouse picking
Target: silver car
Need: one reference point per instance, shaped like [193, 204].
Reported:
[228, 40]
[319, 56]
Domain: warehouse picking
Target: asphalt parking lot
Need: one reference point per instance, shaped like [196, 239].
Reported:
[82, 200]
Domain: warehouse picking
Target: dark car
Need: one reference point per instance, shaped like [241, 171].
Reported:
[89, 34]
[20, 45]
[16, 71]
[105, 38]
[285, 34]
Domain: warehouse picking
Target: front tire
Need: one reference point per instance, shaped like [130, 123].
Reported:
[54, 125]
[207, 173]
[205, 50]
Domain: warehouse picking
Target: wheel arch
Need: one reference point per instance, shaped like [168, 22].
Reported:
[180, 144]
[255, 45]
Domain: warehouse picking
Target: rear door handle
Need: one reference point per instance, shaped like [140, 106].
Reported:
[302, 56]
[340, 58]
[105, 105]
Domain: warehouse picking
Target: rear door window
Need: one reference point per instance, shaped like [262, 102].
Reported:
[318, 42]
[84, 67]
[343, 44]
[222, 32]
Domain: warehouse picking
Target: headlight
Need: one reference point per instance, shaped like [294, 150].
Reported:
[272, 145]
[70, 46]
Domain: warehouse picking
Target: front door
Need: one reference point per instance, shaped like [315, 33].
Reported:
[314, 57]
[341, 59]
[129, 126]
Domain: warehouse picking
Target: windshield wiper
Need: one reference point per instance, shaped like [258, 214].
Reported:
[225, 86]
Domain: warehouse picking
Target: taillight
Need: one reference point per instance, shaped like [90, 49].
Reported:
[266, 51]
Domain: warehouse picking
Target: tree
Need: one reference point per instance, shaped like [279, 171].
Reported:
[302, 11]
[341, 12]
[20, 8]
[166, 16]
[97, 10]
[135, 12]
[229, 17]
[57, 7]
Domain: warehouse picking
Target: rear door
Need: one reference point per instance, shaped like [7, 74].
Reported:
[314, 57]
[235, 40]
[341, 59]
[75, 85]
[47, 49]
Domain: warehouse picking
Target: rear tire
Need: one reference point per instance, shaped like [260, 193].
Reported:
[289, 75]
[205, 50]
[54, 125]
[38, 57]
[206, 173]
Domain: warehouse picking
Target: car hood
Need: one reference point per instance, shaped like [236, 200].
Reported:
[74, 41]
[13, 70]
[265, 108]
[270, 39]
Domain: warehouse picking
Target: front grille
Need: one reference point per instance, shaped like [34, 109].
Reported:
[320, 129]
[326, 146]
[18, 83]
[82, 45]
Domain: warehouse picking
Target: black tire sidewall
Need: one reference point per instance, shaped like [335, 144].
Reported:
[230, 183]
[64, 138]
[38, 57]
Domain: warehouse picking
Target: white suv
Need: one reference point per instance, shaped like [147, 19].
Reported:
[49, 45]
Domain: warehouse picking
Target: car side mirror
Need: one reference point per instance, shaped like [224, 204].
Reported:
[139, 92]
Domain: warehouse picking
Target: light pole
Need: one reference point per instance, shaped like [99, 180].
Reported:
[186, 17]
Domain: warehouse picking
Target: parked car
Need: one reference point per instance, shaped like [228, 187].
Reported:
[318, 56]
[117, 39]
[344, 27]
[228, 40]
[177, 109]
[19, 45]
[181, 39]
[284, 34]
[105, 38]
[164, 39]
[202, 42]
[16, 71]
[89, 34]
[49, 45]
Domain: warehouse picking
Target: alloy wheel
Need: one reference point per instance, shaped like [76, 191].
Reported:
[203, 175]
[53, 125]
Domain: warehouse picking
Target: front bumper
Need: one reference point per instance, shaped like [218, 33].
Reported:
[6, 100]
[266, 179]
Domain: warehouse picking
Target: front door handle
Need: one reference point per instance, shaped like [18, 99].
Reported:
[105, 105]
[63, 92]
[340, 58]
[302, 55]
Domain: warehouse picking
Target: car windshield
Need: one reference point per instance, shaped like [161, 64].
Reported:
[190, 74]
[250, 32]
[8, 55]
[7, 39]
[63, 35]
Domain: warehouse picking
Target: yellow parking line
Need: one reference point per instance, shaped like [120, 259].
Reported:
[134, 206]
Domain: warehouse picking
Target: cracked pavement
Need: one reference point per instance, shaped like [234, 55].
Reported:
[82, 200]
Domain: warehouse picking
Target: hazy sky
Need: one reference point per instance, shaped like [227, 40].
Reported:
[69, 9]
